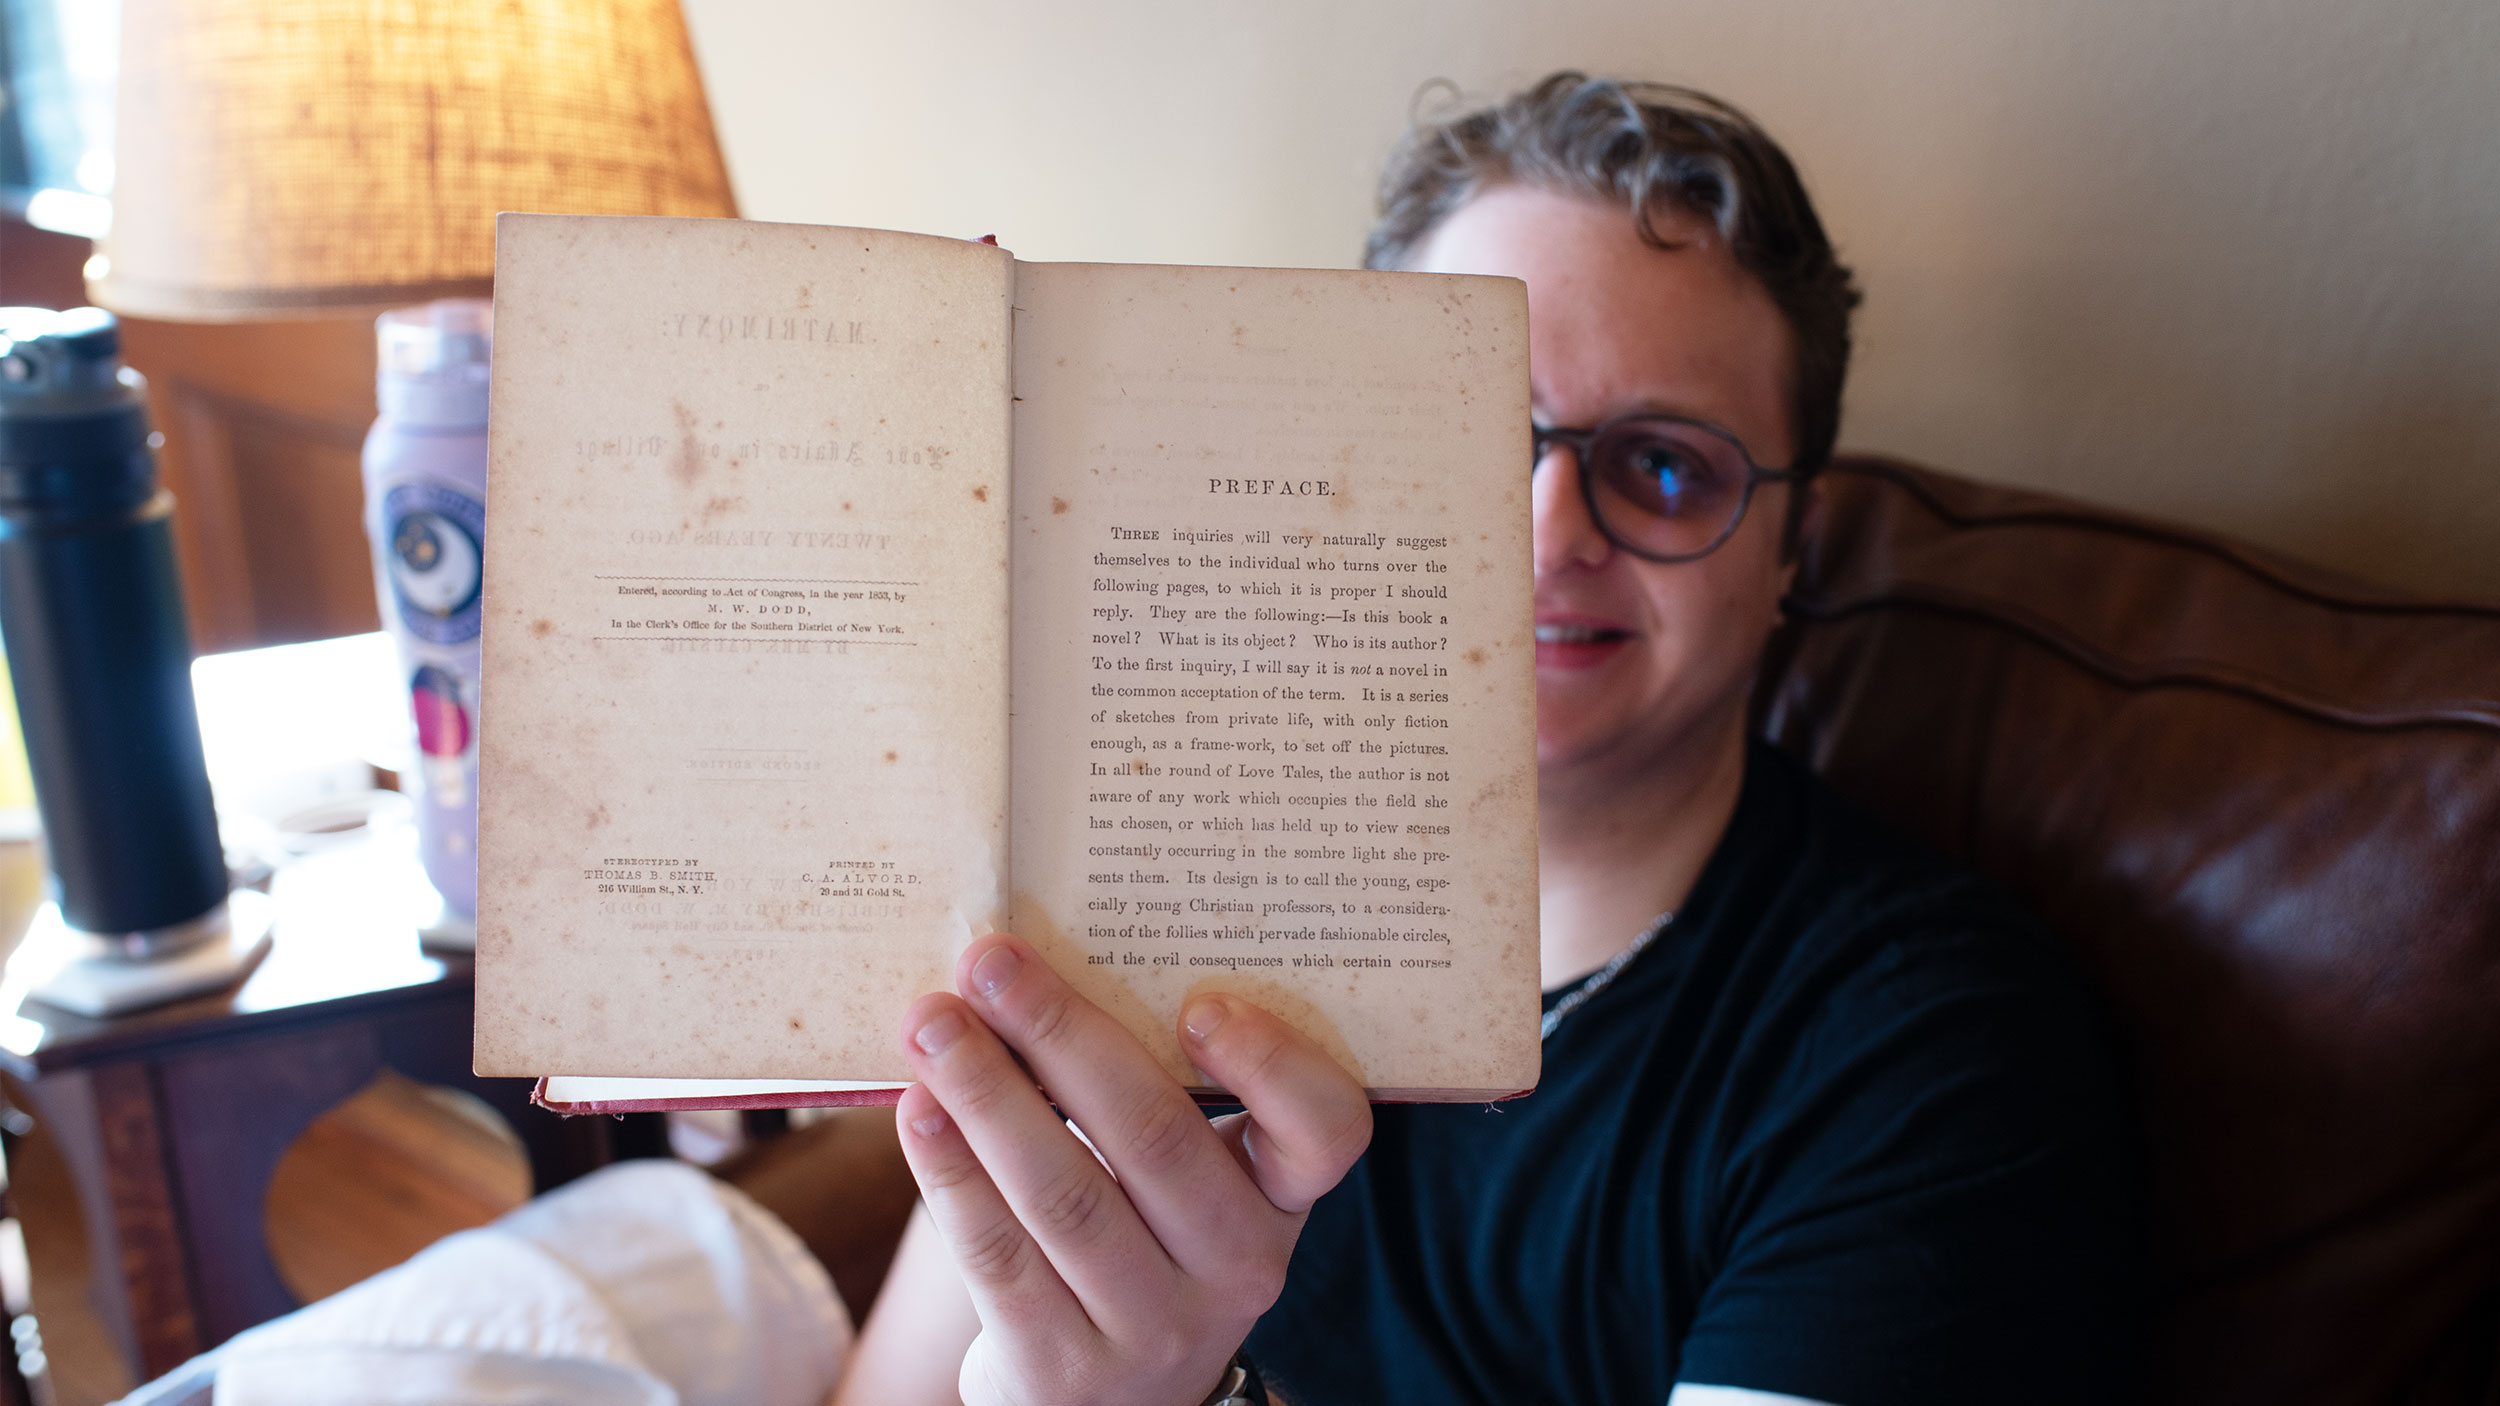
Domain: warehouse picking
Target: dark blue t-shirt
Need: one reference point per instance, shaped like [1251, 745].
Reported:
[1850, 1129]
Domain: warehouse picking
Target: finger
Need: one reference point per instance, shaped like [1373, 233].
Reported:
[1010, 1280]
[1172, 1166]
[1063, 1197]
[1308, 1121]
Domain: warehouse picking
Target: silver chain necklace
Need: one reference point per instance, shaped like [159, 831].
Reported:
[1596, 981]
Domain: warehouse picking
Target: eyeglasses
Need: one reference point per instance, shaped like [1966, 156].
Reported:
[1661, 486]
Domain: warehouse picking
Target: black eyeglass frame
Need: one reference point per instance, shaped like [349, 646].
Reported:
[1542, 438]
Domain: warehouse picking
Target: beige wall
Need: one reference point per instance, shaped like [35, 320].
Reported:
[2230, 261]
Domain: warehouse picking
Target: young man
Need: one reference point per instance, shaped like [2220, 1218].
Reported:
[1820, 1120]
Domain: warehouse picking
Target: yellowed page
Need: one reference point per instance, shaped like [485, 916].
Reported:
[743, 782]
[1274, 689]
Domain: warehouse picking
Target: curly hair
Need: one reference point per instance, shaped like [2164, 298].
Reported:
[1651, 147]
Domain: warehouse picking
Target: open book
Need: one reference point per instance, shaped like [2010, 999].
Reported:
[850, 594]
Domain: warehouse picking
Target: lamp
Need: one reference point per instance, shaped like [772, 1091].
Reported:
[287, 157]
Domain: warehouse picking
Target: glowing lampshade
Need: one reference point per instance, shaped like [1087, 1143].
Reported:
[279, 157]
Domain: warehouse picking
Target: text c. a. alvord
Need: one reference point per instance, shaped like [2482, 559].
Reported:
[1279, 487]
[761, 327]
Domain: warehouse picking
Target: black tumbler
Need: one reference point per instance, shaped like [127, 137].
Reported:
[91, 613]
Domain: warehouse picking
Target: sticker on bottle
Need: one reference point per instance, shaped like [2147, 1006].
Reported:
[435, 559]
[444, 734]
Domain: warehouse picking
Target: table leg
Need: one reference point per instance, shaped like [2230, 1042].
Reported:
[173, 1159]
[109, 1122]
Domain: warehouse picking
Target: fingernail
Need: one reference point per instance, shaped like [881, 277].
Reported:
[939, 1033]
[1203, 1016]
[930, 1126]
[995, 971]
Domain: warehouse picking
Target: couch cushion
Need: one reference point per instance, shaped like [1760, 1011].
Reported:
[2263, 804]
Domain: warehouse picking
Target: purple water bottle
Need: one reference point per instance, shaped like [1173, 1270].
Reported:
[425, 508]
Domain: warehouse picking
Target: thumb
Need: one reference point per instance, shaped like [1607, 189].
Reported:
[1309, 1119]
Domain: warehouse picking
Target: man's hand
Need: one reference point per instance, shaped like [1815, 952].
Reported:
[1089, 1289]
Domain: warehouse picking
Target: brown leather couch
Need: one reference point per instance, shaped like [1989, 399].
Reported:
[2263, 805]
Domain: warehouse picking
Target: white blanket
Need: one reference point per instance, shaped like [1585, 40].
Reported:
[647, 1284]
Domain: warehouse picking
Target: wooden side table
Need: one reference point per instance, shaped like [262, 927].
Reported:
[172, 1120]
